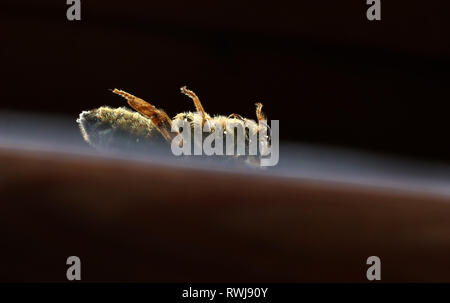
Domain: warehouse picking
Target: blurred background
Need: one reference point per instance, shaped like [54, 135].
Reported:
[321, 68]
[361, 103]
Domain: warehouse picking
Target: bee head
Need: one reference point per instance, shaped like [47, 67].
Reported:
[93, 126]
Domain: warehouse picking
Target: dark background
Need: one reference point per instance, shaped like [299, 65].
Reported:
[320, 67]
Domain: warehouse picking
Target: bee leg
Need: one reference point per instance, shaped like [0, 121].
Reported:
[159, 118]
[259, 114]
[237, 116]
[197, 103]
[262, 119]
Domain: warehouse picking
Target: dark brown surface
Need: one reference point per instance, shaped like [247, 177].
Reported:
[150, 223]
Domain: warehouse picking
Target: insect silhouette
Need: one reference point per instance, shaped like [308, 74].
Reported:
[107, 127]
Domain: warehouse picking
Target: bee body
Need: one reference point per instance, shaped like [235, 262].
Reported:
[107, 127]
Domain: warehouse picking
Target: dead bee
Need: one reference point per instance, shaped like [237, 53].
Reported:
[107, 127]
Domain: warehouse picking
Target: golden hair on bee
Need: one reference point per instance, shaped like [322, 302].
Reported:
[106, 126]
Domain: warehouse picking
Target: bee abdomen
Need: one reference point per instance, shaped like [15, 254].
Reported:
[120, 128]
